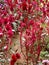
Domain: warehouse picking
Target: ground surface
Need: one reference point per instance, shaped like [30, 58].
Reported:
[16, 45]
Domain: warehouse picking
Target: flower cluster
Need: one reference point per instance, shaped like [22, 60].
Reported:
[33, 28]
[33, 19]
[7, 25]
[15, 57]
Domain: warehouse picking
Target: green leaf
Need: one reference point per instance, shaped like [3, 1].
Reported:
[48, 45]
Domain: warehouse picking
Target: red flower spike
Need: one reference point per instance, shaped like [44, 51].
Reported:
[29, 1]
[6, 20]
[42, 20]
[8, 27]
[25, 20]
[27, 32]
[22, 24]
[31, 22]
[16, 2]
[12, 62]
[10, 33]
[18, 55]
[1, 21]
[29, 8]
[11, 7]
[9, 2]
[41, 0]
[14, 58]
[24, 5]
